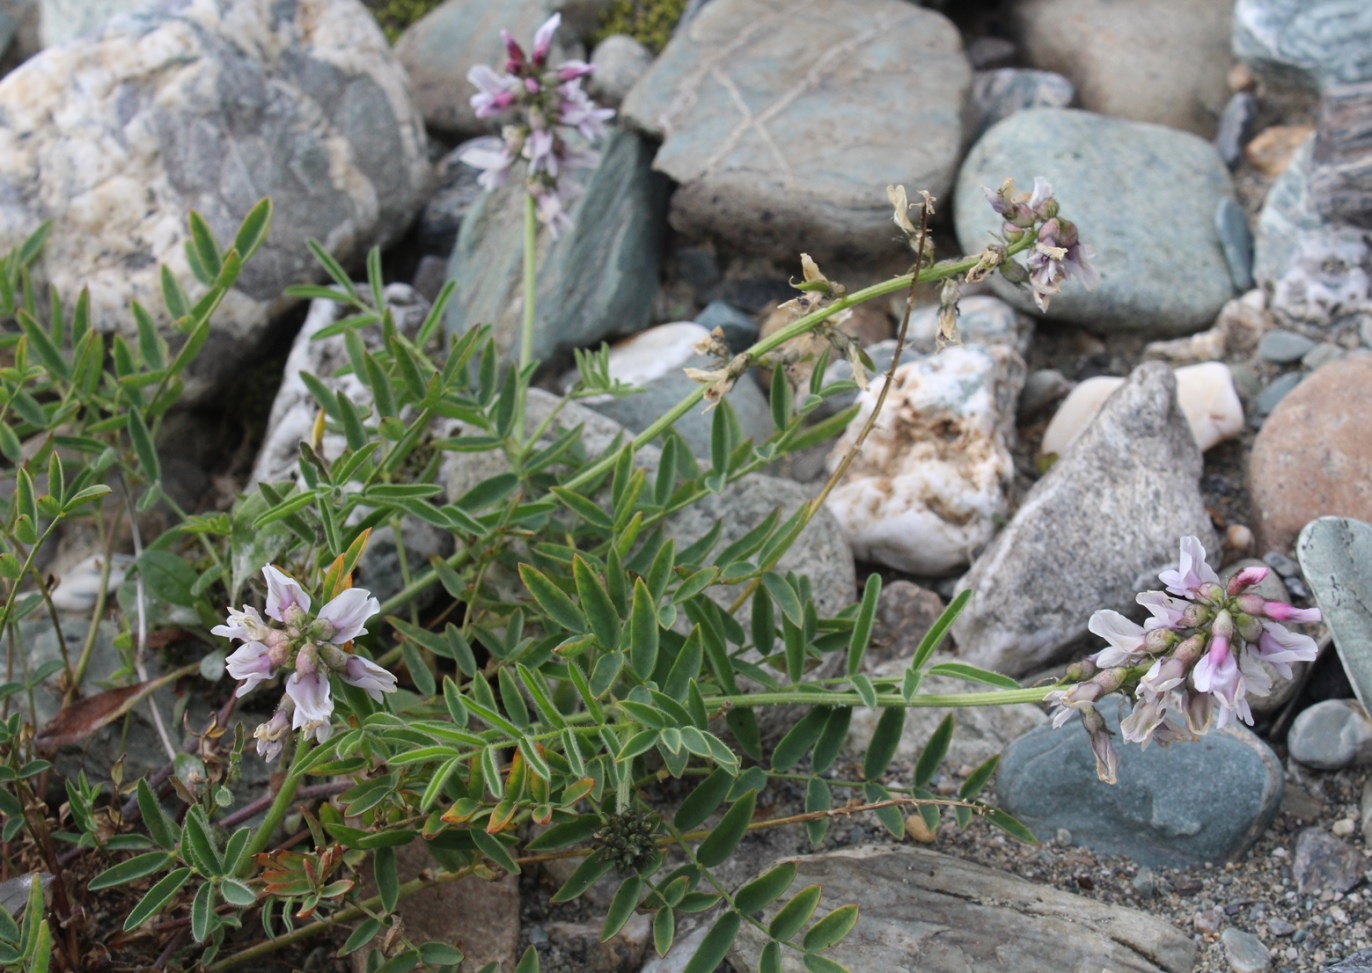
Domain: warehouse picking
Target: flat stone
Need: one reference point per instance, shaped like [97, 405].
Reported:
[1236, 240]
[1283, 347]
[1245, 952]
[1340, 173]
[1105, 515]
[1137, 61]
[619, 61]
[1359, 962]
[1335, 554]
[1107, 174]
[746, 104]
[1275, 391]
[596, 281]
[996, 95]
[1235, 126]
[1313, 457]
[1324, 863]
[937, 914]
[210, 107]
[1322, 354]
[1161, 812]
[1308, 44]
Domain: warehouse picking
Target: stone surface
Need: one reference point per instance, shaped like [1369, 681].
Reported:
[1108, 175]
[1313, 456]
[1341, 165]
[1205, 392]
[982, 320]
[1042, 388]
[1245, 952]
[905, 612]
[1324, 863]
[1359, 962]
[1235, 125]
[1275, 391]
[453, 197]
[929, 486]
[1104, 516]
[1304, 43]
[930, 912]
[1160, 61]
[996, 95]
[1160, 813]
[1236, 241]
[209, 107]
[1287, 213]
[596, 281]
[1328, 278]
[739, 329]
[1331, 735]
[621, 953]
[746, 102]
[440, 48]
[66, 20]
[619, 63]
[1334, 554]
[1283, 347]
[78, 587]
[653, 361]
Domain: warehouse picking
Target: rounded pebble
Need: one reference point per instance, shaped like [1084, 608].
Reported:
[1283, 347]
[1277, 390]
[1245, 952]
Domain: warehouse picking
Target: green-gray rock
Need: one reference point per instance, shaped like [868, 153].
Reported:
[1336, 558]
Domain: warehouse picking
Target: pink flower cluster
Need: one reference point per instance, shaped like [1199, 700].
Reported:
[551, 104]
[1205, 649]
[311, 647]
[1058, 253]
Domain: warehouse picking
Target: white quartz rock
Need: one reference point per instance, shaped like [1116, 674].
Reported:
[928, 488]
[1205, 392]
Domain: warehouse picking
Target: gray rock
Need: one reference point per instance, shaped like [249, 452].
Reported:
[210, 107]
[1235, 127]
[982, 320]
[1042, 388]
[454, 196]
[582, 17]
[1334, 554]
[1359, 962]
[996, 95]
[740, 330]
[1340, 177]
[66, 20]
[1323, 863]
[746, 102]
[1276, 390]
[1287, 213]
[1322, 354]
[1108, 175]
[1245, 952]
[1160, 814]
[938, 914]
[1283, 347]
[619, 62]
[79, 586]
[1308, 44]
[1236, 240]
[596, 281]
[1331, 735]
[1103, 516]
[1328, 277]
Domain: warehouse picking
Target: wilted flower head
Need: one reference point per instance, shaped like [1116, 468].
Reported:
[1058, 254]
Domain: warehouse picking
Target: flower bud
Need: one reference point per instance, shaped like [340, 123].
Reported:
[1195, 615]
[1247, 578]
[1107, 761]
[1248, 627]
[1160, 640]
[1211, 592]
[1223, 627]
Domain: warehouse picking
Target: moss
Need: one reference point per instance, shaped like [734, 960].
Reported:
[395, 15]
[650, 22]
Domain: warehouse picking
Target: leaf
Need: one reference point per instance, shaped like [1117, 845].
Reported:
[724, 838]
[586, 874]
[206, 251]
[157, 896]
[528, 963]
[596, 604]
[884, 743]
[770, 959]
[494, 849]
[799, 739]
[814, 963]
[643, 631]
[622, 907]
[78, 722]
[979, 778]
[253, 230]
[702, 801]
[155, 820]
[832, 928]
[664, 930]
[134, 868]
[939, 629]
[197, 844]
[862, 627]
[817, 798]
[143, 446]
[715, 946]
[559, 607]
[440, 954]
[961, 670]
[794, 914]
[831, 739]
[387, 878]
[934, 751]
[785, 597]
[588, 510]
[765, 889]
[364, 933]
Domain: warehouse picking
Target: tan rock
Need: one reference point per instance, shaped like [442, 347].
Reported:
[1271, 149]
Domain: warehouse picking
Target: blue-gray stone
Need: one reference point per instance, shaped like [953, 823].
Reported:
[1322, 354]
[1283, 347]
[996, 95]
[1109, 176]
[740, 330]
[1245, 952]
[1335, 554]
[1276, 390]
[1359, 962]
[1324, 863]
[1331, 735]
[1309, 44]
[1236, 240]
[596, 281]
[1236, 123]
[1287, 212]
[1162, 811]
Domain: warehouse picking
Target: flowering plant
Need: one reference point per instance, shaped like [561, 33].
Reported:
[1192, 664]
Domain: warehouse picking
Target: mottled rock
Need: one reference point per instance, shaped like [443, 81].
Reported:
[1329, 277]
[1245, 952]
[1359, 962]
[1323, 863]
[982, 320]
[929, 485]
[1287, 213]
[1108, 174]
[1160, 61]
[621, 953]
[1341, 166]
[1334, 554]
[1331, 735]
[619, 62]
[1313, 456]
[938, 914]
[210, 107]
[1205, 391]
[998, 94]
[746, 103]
[596, 281]
[905, 612]
[1309, 44]
[1161, 811]
[65, 20]
[1104, 515]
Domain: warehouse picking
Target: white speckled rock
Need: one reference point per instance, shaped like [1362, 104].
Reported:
[929, 485]
[1205, 391]
[209, 106]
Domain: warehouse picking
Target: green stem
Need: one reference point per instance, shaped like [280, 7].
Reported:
[277, 812]
[996, 697]
[526, 337]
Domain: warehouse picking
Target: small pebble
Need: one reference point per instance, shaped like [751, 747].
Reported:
[1344, 827]
[1245, 952]
[1281, 564]
[1284, 347]
[1297, 588]
[1063, 837]
[1146, 883]
[1300, 936]
[1276, 390]
[1280, 927]
[1208, 921]
[538, 936]
[1324, 352]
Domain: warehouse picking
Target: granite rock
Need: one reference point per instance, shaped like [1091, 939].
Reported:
[1340, 172]
[1334, 554]
[1288, 212]
[1309, 44]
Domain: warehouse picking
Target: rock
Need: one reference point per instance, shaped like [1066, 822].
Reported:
[1104, 515]
[1042, 388]
[1108, 175]
[982, 320]
[746, 105]
[1323, 863]
[1309, 44]
[929, 485]
[1236, 240]
[739, 329]
[980, 732]
[440, 48]
[1235, 125]
[1160, 814]
[988, 53]
[1203, 346]
[1359, 962]
[1340, 176]
[1144, 61]
[950, 915]
[1286, 214]
[653, 361]
[596, 281]
[619, 62]
[1322, 354]
[905, 612]
[1206, 393]
[1283, 347]
[998, 94]
[61, 21]
[209, 107]
[1332, 734]
[454, 196]
[1245, 952]
[1312, 456]
[1328, 278]
[1275, 391]
[78, 587]
[582, 17]
[621, 953]
[1334, 554]
[1273, 150]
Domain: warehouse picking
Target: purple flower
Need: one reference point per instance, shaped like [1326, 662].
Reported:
[1166, 611]
[311, 695]
[548, 204]
[1278, 646]
[1280, 611]
[1246, 578]
[578, 111]
[1126, 639]
[543, 39]
[252, 663]
[1192, 572]
[368, 676]
[1148, 714]
[493, 157]
[1058, 256]
[246, 626]
[271, 735]
[283, 594]
[495, 91]
[346, 615]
